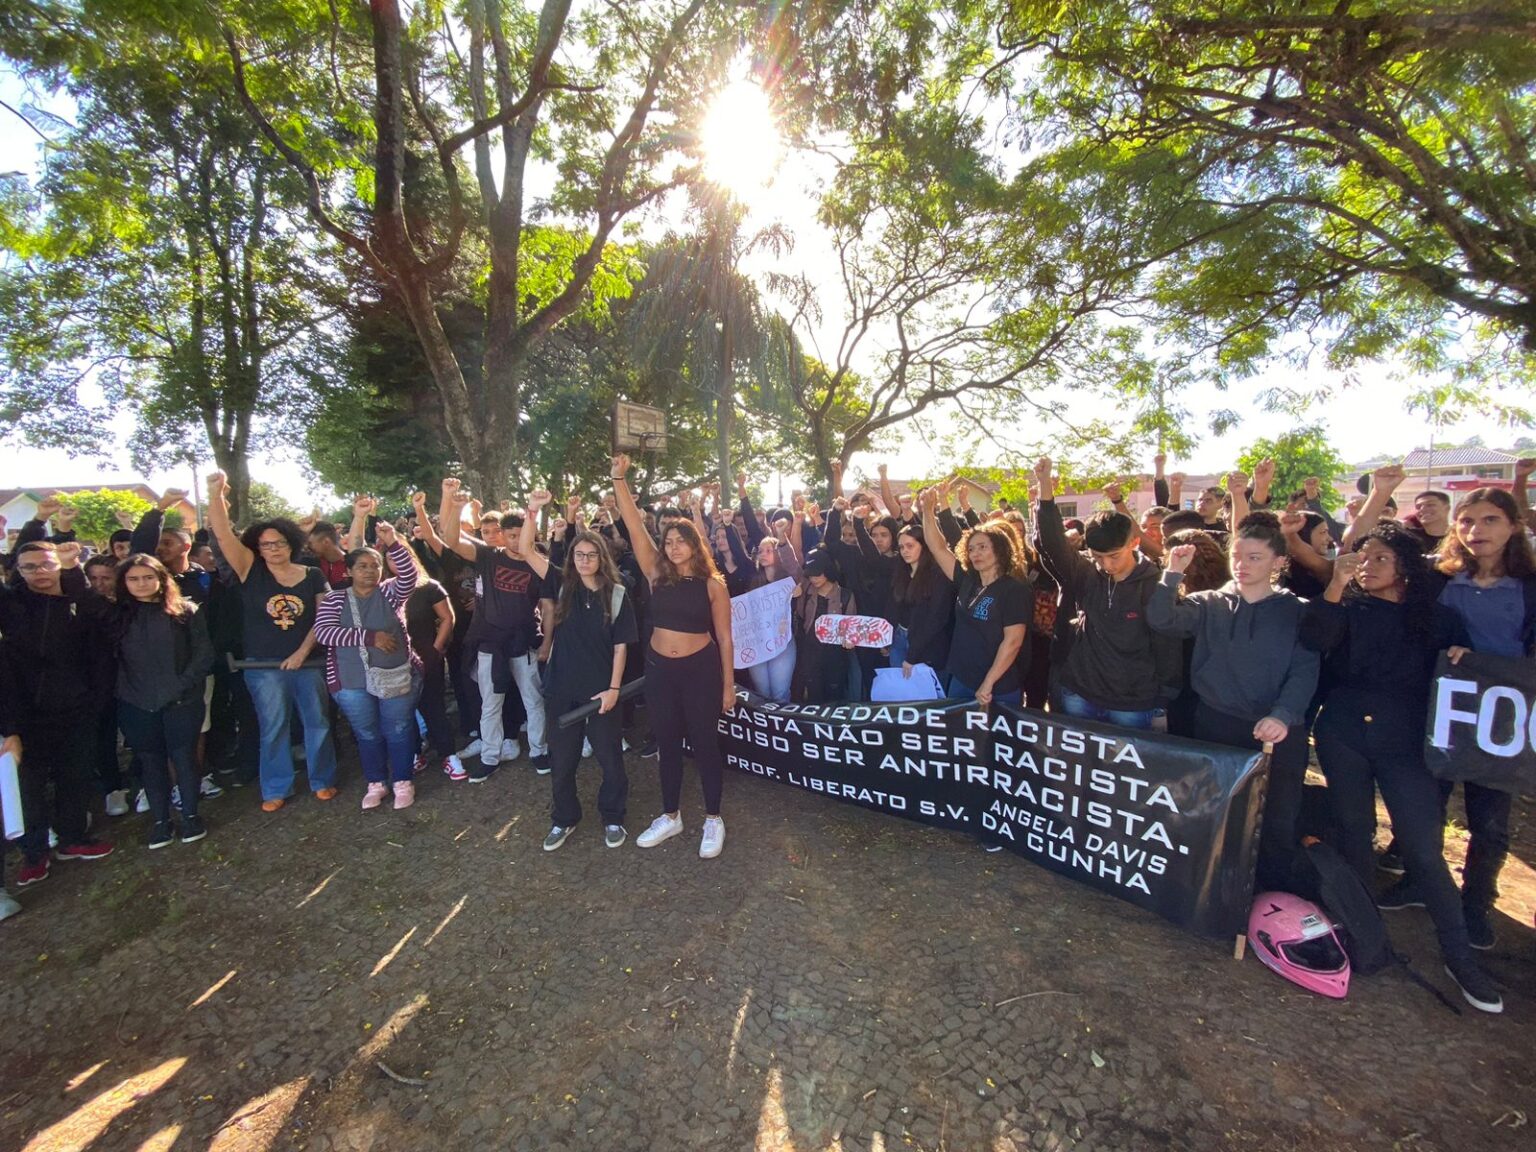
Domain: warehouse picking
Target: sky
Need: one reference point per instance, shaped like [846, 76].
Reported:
[1364, 418]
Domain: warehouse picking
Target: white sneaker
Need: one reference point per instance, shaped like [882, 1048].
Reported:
[208, 788]
[714, 838]
[624, 743]
[8, 906]
[586, 748]
[511, 749]
[141, 805]
[117, 802]
[664, 827]
[471, 749]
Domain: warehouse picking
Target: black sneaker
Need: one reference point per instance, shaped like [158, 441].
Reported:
[557, 836]
[481, 772]
[539, 764]
[1479, 929]
[1475, 986]
[192, 829]
[161, 835]
[1401, 895]
[649, 750]
[1390, 861]
[614, 835]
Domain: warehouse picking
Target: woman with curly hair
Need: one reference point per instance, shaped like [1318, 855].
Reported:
[1380, 628]
[993, 603]
[279, 596]
[689, 667]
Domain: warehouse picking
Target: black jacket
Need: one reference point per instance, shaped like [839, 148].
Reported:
[58, 654]
[1115, 659]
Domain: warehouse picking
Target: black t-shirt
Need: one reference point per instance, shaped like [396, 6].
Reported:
[981, 614]
[581, 658]
[276, 617]
[507, 594]
[421, 614]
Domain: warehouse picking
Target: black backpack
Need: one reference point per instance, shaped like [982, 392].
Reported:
[1339, 889]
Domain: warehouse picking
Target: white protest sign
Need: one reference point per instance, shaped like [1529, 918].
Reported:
[760, 622]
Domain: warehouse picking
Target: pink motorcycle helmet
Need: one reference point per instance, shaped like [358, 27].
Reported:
[1295, 938]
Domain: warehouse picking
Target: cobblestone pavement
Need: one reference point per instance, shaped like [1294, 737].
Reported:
[837, 980]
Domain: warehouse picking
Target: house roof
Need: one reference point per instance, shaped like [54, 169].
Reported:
[38, 491]
[1422, 458]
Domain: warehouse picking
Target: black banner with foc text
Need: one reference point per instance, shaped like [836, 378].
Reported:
[1168, 824]
[1482, 723]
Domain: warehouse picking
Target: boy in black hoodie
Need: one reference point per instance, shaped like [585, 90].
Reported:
[59, 661]
[1116, 669]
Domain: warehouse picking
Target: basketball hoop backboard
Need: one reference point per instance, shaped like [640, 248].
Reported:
[637, 427]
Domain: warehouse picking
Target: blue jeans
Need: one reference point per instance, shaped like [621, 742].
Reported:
[273, 691]
[954, 688]
[772, 677]
[899, 644]
[385, 731]
[1084, 709]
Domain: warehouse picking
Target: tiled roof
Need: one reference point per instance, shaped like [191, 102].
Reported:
[1422, 458]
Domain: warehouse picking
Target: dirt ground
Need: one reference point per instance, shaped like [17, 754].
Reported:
[837, 980]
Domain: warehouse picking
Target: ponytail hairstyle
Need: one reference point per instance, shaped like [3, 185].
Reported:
[570, 581]
[1265, 528]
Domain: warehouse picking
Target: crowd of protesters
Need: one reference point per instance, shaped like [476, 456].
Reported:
[1251, 618]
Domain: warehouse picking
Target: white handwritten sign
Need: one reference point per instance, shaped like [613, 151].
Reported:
[760, 622]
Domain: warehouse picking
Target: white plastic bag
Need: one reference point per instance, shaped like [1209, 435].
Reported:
[10, 797]
[891, 687]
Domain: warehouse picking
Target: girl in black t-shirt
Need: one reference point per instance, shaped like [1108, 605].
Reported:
[594, 623]
[993, 604]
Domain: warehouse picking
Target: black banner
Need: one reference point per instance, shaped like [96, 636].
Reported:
[1481, 723]
[1165, 823]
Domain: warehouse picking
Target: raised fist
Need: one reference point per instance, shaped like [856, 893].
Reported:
[1291, 523]
[1114, 493]
[1524, 467]
[384, 531]
[364, 505]
[1388, 478]
[618, 467]
[1180, 558]
[537, 500]
[47, 508]
[171, 498]
[67, 516]
[123, 517]
[1264, 472]
[419, 503]
[1236, 482]
[68, 553]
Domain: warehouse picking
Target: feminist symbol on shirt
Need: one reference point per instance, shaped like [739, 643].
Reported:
[285, 610]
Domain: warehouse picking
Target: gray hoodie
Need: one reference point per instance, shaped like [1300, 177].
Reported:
[1248, 661]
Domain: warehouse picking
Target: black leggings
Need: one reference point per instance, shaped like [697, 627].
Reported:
[683, 696]
[1356, 766]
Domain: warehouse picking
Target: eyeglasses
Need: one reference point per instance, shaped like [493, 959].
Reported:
[40, 566]
[279, 543]
[584, 556]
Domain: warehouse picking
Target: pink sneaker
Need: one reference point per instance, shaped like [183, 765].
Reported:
[454, 769]
[405, 794]
[374, 796]
[421, 765]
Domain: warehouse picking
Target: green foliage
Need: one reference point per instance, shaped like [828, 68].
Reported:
[1298, 455]
[1347, 180]
[97, 512]
[266, 503]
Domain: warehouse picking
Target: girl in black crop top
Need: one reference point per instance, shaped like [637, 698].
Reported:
[689, 669]
[682, 606]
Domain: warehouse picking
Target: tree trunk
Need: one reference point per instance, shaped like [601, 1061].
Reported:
[725, 401]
